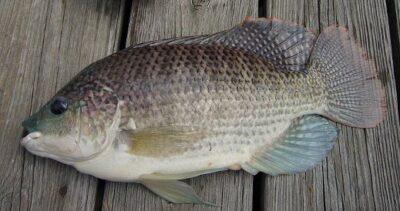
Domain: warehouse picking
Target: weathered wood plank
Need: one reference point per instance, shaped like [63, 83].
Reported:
[153, 20]
[43, 44]
[361, 171]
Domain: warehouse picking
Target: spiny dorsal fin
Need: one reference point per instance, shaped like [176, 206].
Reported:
[307, 142]
[284, 44]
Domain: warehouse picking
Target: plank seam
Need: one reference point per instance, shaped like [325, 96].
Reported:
[395, 46]
[99, 195]
[262, 8]
[395, 42]
[259, 179]
[126, 14]
[258, 192]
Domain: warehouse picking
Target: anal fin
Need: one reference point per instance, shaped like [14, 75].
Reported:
[305, 143]
[174, 191]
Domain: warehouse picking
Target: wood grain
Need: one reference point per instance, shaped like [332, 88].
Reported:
[153, 20]
[360, 172]
[45, 43]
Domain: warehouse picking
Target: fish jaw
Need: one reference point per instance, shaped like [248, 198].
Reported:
[31, 142]
[37, 143]
[30, 137]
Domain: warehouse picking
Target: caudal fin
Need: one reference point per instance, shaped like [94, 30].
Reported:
[355, 95]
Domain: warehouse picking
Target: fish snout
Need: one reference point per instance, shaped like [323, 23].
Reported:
[30, 124]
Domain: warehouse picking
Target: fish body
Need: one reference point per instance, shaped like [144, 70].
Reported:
[246, 98]
[226, 104]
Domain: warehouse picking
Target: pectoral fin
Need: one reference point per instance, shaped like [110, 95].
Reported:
[174, 191]
[307, 142]
[164, 141]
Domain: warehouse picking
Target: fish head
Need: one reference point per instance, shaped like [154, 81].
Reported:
[74, 125]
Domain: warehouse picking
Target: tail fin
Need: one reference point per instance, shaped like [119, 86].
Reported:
[355, 94]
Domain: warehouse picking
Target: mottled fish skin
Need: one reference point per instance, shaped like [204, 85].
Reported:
[176, 84]
[236, 100]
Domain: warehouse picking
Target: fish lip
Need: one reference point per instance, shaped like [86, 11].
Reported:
[30, 137]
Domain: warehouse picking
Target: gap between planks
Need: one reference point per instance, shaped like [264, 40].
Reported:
[393, 9]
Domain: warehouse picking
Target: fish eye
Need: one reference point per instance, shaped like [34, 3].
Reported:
[59, 105]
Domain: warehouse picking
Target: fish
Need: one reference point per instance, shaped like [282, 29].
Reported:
[262, 96]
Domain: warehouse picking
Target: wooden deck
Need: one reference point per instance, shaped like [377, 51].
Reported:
[43, 43]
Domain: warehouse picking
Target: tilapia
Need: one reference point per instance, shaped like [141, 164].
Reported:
[256, 97]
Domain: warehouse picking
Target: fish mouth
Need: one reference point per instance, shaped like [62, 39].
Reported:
[30, 137]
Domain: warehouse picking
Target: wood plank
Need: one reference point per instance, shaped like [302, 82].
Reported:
[44, 44]
[361, 171]
[153, 20]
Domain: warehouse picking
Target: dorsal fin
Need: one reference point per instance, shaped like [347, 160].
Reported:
[286, 45]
